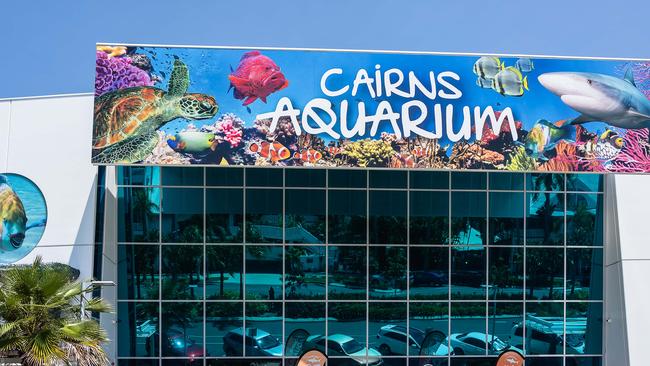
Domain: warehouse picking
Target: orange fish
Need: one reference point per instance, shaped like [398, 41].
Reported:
[419, 151]
[333, 150]
[310, 156]
[273, 151]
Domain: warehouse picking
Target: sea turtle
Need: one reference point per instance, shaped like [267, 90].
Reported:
[126, 120]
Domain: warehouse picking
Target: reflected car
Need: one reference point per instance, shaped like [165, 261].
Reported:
[474, 343]
[176, 343]
[257, 343]
[424, 278]
[544, 335]
[338, 345]
[392, 340]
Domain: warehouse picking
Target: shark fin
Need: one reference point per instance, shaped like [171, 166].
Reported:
[525, 82]
[629, 76]
[581, 119]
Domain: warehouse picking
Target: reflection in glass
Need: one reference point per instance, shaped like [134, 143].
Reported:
[347, 272]
[137, 362]
[429, 179]
[138, 330]
[264, 177]
[138, 271]
[182, 272]
[502, 181]
[506, 271]
[544, 329]
[584, 328]
[468, 273]
[544, 182]
[429, 217]
[584, 182]
[309, 317]
[341, 178]
[221, 318]
[305, 177]
[468, 180]
[182, 330]
[429, 273]
[138, 175]
[138, 214]
[388, 179]
[305, 216]
[182, 176]
[223, 215]
[468, 218]
[545, 218]
[506, 218]
[468, 328]
[544, 273]
[426, 317]
[263, 272]
[263, 327]
[347, 217]
[182, 215]
[224, 271]
[304, 272]
[387, 272]
[501, 318]
[584, 277]
[385, 320]
[347, 318]
[263, 215]
[224, 177]
[388, 217]
[584, 219]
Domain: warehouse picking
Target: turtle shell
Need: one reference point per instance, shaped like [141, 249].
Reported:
[121, 113]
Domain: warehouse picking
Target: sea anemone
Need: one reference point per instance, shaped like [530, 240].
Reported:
[113, 73]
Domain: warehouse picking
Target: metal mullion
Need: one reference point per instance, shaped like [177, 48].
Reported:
[284, 255]
[367, 260]
[327, 230]
[408, 262]
[242, 276]
[205, 266]
[487, 261]
[449, 259]
[564, 308]
[525, 245]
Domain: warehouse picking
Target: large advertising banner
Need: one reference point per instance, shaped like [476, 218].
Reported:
[275, 107]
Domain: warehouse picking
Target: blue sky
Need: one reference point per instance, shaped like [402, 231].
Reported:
[48, 46]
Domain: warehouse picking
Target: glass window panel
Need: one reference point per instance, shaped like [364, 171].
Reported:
[506, 273]
[387, 272]
[182, 176]
[182, 272]
[347, 217]
[305, 216]
[384, 316]
[468, 273]
[584, 277]
[232, 177]
[264, 177]
[244, 362]
[224, 215]
[138, 271]
[305, 177]
[507, 181]
[429, 180]
[264, 215]
[468, 218]
[429, 217]
[468, 180]
[544, 328]
[224, 271]
[468, 317]
[545, 218]
[388, 217]
[544, 273]
[544, 361]
[584, 328]
[138, 330]
[138, 175]
[182, 330]
[305, 316]
[429, 273]
[223, 320]
[506, 218]
[182, 215]
[585, 182]
[584, 219]
[424, 318]
[345, 318]
[388, 179]
[137, 362]
[263, 329]
[304, 272]
[584, 361]
[263, 272]
[347, 272]
[501, 318]
[544, 182]
[339, 178]
[138, 214]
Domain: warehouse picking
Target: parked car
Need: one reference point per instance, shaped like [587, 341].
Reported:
[475, 343]
[544, 335]
[175, 343]
[256, 341]
[344, 345]
[424, 278]
[392, 340]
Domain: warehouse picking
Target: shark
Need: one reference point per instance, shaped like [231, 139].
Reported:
[600, 98]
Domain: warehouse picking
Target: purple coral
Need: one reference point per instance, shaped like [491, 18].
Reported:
[117, 73]
[635, 155]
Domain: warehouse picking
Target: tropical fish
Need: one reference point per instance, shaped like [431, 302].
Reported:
[487, 67]
[13, 220]
[609, 144]
[257, 76]
[333, 150]
[273, 151]
[484, 83]
[509, 81]
[545, 135]
[193, 141]
[309, 155]
[419, 151]
[524, 65]
[599, 97]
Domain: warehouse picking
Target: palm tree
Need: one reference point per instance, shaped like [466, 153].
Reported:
[41, 320]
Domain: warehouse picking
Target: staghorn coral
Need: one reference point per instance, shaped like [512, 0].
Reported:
[117, 73]
[369, 153]
[635, 154]
[519, 160]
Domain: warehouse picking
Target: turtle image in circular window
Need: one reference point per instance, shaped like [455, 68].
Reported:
[23, 214]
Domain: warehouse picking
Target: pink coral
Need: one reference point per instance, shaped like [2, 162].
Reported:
[231, 128]
[112, 73]
[635, 155]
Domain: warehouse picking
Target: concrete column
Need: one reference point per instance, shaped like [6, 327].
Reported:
[109, 260]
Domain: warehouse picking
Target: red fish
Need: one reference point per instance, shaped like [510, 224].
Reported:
[273, 151]
[257, 76]
[310, 156]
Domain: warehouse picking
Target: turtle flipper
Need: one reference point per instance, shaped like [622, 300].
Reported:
[179, 80]
[131, 150]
